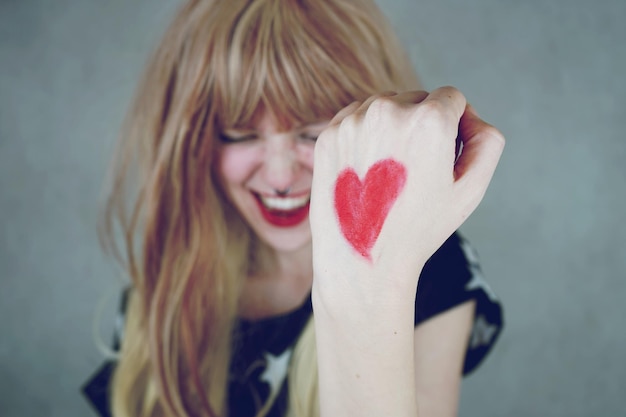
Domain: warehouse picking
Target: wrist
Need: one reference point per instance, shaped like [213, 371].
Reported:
[367, 288]
[350, 305]
[362, 351]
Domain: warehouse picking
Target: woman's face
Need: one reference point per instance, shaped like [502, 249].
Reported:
[256, 164]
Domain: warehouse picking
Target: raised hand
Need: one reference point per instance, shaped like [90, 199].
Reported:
[388, 188]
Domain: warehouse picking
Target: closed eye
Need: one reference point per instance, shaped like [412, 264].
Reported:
[311, 131]
[237, 138]
[308, 136]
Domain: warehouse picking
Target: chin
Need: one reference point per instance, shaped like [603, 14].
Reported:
[286, 239]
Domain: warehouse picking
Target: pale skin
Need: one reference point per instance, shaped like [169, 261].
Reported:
[372, 361]
[364, 308]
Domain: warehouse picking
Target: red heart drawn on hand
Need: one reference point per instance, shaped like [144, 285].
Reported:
[362, 207]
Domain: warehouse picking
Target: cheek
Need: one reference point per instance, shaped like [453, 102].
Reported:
[235, 165]
[306, 156]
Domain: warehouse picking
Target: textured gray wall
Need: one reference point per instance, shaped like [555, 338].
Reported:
[550, 232]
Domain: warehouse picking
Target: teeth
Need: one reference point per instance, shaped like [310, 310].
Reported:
[275, 203]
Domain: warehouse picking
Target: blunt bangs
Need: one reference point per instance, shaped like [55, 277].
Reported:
[300, 60]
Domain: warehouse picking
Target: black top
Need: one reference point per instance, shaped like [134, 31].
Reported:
[262, 349]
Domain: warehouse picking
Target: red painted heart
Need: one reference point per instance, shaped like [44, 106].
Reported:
[362, 207]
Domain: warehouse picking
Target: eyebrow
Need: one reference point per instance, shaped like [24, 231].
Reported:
[239, 130]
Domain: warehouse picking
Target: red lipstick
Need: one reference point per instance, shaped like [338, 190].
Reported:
[283, 218]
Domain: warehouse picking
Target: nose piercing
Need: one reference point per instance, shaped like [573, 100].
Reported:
[282, 193]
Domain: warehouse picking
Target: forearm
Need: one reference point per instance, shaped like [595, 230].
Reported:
[366, 361]
[386, 193]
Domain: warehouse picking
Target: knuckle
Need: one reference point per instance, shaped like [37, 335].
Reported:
[452, 91]
[431, 110]
[349, 121]
[380, 107]
[341, 114]
[453, 98]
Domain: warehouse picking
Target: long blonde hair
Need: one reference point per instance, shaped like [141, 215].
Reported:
[185, 248]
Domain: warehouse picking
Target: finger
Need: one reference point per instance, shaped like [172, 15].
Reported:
[482, 147]
[367, 103]
[411, 97]
[449, 101]
[345, 112]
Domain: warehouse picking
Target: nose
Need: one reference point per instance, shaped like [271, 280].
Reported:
[281, 164]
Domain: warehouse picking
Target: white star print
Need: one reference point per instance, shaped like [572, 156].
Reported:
[478, 280]
[275, 370]
[469, 252]
[482, 333]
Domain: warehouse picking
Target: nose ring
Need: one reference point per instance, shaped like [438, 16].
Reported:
[282, 193]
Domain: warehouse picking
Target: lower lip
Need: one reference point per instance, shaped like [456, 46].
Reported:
[283, 218]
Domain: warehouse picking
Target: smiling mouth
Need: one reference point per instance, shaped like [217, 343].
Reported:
[284, 203]
[284, 211]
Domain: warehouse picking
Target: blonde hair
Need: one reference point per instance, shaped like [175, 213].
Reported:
[186, 249]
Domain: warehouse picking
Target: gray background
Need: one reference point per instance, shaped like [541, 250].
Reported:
[549, 74]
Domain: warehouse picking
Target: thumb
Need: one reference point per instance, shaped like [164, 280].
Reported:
[482, 146]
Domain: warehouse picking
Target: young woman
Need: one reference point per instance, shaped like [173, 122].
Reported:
[266, 171]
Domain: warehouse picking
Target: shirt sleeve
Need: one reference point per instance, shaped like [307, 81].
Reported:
[451, 277]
